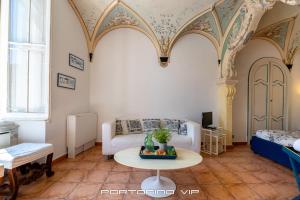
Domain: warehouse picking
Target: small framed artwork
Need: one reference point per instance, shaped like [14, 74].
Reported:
[76, 62]
[65, 81]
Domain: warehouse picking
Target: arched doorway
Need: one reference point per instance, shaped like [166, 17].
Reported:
[267, 96]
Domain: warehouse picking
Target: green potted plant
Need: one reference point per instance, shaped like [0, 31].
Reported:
[162, 136]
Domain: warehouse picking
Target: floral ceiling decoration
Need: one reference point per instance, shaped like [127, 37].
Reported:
[205, 23]
[164, 22]
[293, 48]
[226, 10]
[122, 16]
[91, 12]
[279, 35]
[234, 31]
[227, 23]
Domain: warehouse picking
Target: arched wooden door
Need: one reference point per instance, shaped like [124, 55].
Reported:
[267, 103]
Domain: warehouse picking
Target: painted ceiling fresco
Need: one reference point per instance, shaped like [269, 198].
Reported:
[91, 11]
[205, 23]
[277, 33]
[294, 46]
[233, 32]
[168, 16]
[284, 36]
[118, 16]
[164, 20]
[226, 10]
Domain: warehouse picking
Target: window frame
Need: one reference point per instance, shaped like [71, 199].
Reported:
[5, 114]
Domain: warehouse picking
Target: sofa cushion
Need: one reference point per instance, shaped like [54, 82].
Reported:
[183, 127]
[127, 141]
[137, 140]
[134, 126]
[150, 125]
[171, 124]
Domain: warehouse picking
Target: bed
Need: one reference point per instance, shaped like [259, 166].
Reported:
[268, 143]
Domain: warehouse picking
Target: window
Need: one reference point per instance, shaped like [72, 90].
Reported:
[27, 61]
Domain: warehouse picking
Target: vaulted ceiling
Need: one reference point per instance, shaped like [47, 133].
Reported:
[228, 24]
[163, 21]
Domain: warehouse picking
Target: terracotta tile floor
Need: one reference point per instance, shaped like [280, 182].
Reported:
[237, 174]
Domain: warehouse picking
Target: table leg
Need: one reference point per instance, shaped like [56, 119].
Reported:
[158, 186]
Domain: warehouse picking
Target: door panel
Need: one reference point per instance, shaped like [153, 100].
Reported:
[276, 124]
[260, 94]
[259, 124]
[277, 97]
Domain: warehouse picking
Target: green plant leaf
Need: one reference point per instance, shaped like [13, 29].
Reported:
[162, 135]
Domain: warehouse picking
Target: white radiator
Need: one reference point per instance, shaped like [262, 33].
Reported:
[81, 132]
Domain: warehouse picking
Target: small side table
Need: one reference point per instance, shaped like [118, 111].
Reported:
[214, 141]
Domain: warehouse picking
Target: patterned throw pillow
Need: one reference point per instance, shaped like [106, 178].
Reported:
[150, 125]
[172, 125]
[183, 127]
[119, 129]
[134, 126]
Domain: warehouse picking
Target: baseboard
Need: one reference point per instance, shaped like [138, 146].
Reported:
[240, 143]
[98, 143]
[59, 159]
[65, 156]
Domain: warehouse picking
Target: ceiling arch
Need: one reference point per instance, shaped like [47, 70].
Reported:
[122, 16]
[279, 34]
[162, 21]
[205, 24]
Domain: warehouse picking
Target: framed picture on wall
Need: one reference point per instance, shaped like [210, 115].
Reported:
[76, 62]
[65, 81]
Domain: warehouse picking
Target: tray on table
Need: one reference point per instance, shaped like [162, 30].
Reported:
[153, 156]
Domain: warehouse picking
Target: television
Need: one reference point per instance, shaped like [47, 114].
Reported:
[207, 119]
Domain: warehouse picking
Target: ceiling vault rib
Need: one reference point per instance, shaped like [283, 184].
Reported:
[82, 24]
[107, 10]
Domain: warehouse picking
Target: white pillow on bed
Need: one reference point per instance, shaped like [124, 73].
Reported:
[296, 145]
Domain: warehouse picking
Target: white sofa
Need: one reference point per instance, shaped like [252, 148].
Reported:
[112, 143]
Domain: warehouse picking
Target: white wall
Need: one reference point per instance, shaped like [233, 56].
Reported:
[127, 80]
[253, 51]
[258, 49]
[67, 36]
[31, 131]
[295, 94]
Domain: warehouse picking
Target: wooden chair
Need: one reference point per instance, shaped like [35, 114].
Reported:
[295, 160]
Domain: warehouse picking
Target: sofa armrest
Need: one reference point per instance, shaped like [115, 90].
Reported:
[108, 132]
[194, 131]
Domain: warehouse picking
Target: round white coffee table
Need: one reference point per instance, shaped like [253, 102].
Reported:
[158, 186]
